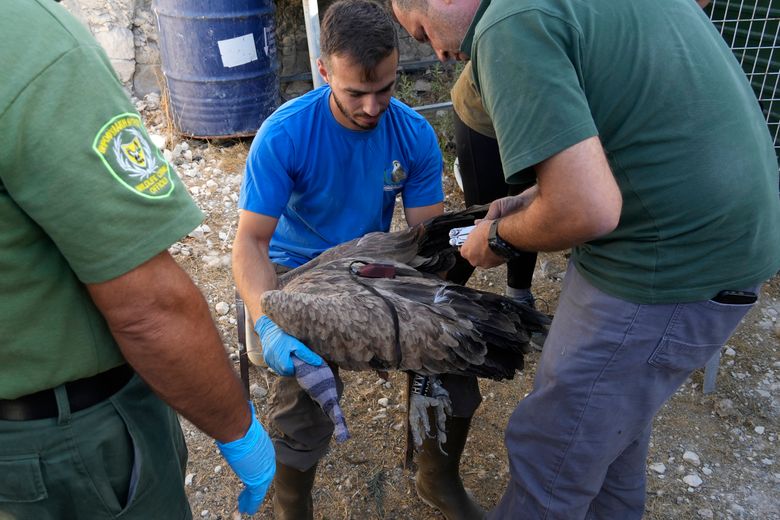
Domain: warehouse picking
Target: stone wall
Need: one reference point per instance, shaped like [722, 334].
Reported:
[127, 30]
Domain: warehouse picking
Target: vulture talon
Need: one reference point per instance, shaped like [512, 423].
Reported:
[438, 401]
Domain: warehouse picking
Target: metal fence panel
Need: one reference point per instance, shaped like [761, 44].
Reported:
[752, 30]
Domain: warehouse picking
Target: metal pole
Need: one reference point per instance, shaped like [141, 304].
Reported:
[312, 19]
[435, 107]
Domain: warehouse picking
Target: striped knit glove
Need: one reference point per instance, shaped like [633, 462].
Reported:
[319, 383]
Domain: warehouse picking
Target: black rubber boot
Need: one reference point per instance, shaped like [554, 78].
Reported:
[292, 493]
[437, 480]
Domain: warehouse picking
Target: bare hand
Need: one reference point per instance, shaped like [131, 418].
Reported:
[476, 250]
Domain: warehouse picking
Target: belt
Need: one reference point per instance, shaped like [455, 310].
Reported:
[82, 394]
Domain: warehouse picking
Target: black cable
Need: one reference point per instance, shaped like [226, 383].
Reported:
[393, 312]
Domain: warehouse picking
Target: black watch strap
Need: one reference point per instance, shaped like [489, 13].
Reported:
[500, 246]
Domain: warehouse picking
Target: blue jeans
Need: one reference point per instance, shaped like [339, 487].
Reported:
[578, 442]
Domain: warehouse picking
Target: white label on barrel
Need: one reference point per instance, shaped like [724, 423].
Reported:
[238, 51]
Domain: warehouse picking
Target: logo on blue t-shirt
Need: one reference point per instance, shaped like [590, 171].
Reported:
[395, 177]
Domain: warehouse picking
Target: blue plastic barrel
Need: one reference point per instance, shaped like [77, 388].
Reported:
[219, 62]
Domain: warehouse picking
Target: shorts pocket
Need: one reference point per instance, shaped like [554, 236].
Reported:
[21, 479]
[695, 333]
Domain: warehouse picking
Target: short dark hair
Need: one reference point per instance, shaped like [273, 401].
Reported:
[361, 29]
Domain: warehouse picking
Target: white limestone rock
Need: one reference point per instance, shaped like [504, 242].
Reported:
[658, 467]
[158, 140]
[693, 480]
[692, 458]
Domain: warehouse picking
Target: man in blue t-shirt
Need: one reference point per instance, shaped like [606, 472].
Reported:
[323, 169]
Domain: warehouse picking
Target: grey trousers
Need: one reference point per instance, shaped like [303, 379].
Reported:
[578, 442]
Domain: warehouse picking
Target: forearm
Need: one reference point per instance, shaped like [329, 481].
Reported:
[576, 200]
[544, 225]
[253, 273]
[183, 360]
[420, 214]
[164, 329]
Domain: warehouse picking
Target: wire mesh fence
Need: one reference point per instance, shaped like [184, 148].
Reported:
[752, 30]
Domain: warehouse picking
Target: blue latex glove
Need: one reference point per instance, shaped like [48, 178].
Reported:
[278, 346]
[252, 459]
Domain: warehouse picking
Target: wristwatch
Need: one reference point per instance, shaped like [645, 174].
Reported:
[500, 246]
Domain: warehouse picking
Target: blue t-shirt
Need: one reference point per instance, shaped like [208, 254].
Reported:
[327, 184]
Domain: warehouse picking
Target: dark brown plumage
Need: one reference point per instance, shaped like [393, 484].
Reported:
[440, 328]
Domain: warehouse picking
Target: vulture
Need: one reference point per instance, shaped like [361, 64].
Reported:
[379, 302]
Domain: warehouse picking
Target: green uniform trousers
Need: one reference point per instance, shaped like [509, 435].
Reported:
[124, 457]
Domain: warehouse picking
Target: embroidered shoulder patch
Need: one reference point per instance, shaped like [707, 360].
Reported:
[125, 148]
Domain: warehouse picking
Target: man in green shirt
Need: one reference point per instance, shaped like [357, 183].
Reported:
[654, 163]
[95, 315]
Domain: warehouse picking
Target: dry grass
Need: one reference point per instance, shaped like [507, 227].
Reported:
[171, 134]
[232, 154]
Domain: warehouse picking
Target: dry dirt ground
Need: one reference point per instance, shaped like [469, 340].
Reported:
[731, 469]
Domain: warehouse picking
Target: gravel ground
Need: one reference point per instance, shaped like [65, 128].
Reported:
[712, 456]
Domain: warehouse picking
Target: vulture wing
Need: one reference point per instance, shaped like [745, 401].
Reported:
[438, 327]
[425, 246]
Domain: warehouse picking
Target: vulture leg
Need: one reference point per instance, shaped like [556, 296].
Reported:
[428, 392]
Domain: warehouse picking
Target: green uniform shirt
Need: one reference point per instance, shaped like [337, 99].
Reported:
[84, 197]
[681, 127]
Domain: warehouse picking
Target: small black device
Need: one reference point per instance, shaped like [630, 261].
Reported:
[500, 246]
[736, 297]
